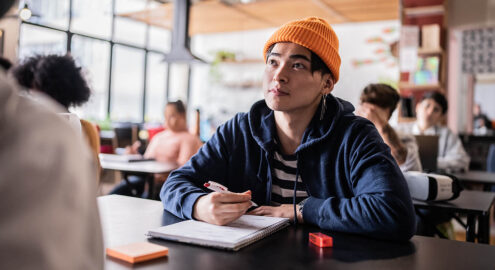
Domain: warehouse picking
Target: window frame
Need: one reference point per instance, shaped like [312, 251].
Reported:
[112, 42]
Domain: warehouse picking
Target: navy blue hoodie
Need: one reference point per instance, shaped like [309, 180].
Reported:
[353, 182]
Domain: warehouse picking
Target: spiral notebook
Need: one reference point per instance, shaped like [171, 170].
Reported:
[233, 236]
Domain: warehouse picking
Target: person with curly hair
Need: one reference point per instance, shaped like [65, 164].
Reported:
[62, 80]
[57, 76]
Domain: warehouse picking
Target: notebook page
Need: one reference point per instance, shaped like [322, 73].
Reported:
[231, 233]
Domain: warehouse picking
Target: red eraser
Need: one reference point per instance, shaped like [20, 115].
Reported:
[320, 239]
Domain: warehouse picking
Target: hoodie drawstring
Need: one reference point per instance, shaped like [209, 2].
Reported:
[295, 191]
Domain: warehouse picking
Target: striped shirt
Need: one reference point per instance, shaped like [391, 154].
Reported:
[284, 176]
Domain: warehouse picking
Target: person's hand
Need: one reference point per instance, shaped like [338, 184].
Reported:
[221, 208]
[284, 210]
[377, 115]
[132, 149]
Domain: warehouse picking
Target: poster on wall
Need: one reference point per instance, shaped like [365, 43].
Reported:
[478, 51]
[409, 40]
[427, 69]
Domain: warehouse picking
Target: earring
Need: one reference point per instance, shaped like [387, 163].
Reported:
[323, 107]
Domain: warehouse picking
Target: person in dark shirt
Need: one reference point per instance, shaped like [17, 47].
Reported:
[300, 153]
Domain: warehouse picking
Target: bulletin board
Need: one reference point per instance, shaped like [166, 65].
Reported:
[478, 51]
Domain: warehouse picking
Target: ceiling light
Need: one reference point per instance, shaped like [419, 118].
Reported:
[25, 13]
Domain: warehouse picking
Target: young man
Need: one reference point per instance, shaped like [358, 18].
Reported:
[429, 112]
[298, 145]
[378, 102]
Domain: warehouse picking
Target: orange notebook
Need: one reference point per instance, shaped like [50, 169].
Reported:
[137, 252]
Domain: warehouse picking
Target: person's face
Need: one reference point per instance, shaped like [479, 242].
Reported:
[476, 109]
[288, 83]
[173, 119]
[429, 113]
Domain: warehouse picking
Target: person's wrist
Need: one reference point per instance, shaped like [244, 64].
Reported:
[299, 212]
[196, 214]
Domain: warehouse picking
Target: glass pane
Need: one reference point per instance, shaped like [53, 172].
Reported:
[179, 81]
[53, 13]
[128, 30]
[94, 57]
[159, 39]
[38, 40]
[155, 88]
[127, 84]
[92, 17]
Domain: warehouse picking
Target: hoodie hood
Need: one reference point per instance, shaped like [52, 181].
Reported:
[262, 123]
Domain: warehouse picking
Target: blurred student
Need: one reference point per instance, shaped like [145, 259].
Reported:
[49, 217]
[62, 80]
[481, 123]
[378, 102]
[300, 153]
[175, 144]
[429, 113]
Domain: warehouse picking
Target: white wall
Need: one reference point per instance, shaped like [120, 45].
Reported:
[353, 46]
[484, 94]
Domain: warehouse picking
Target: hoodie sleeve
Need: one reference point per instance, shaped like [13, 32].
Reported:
[381, 206]
[184, 185]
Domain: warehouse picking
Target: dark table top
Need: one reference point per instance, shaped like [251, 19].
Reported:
[126, 220]
[482, 177]
[469, 202]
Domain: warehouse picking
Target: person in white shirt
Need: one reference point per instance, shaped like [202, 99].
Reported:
[378, 102]
[430, 112]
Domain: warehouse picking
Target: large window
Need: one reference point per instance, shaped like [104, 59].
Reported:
[94, 56]
[155, 81]
[112, 50]
[38, 40]
[92, 17]
[54, 13]
[127, 80]
[128, 30]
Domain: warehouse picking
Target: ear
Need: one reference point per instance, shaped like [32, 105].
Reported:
[328, 84]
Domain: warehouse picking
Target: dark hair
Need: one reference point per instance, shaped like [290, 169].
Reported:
[316, 63]
[438, 98]
[5, 63]
[5, 6]
[57, 76]
[179, 106]
[24, 72]
[381, 95]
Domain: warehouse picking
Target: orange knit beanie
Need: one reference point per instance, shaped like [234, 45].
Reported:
[316, 35]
